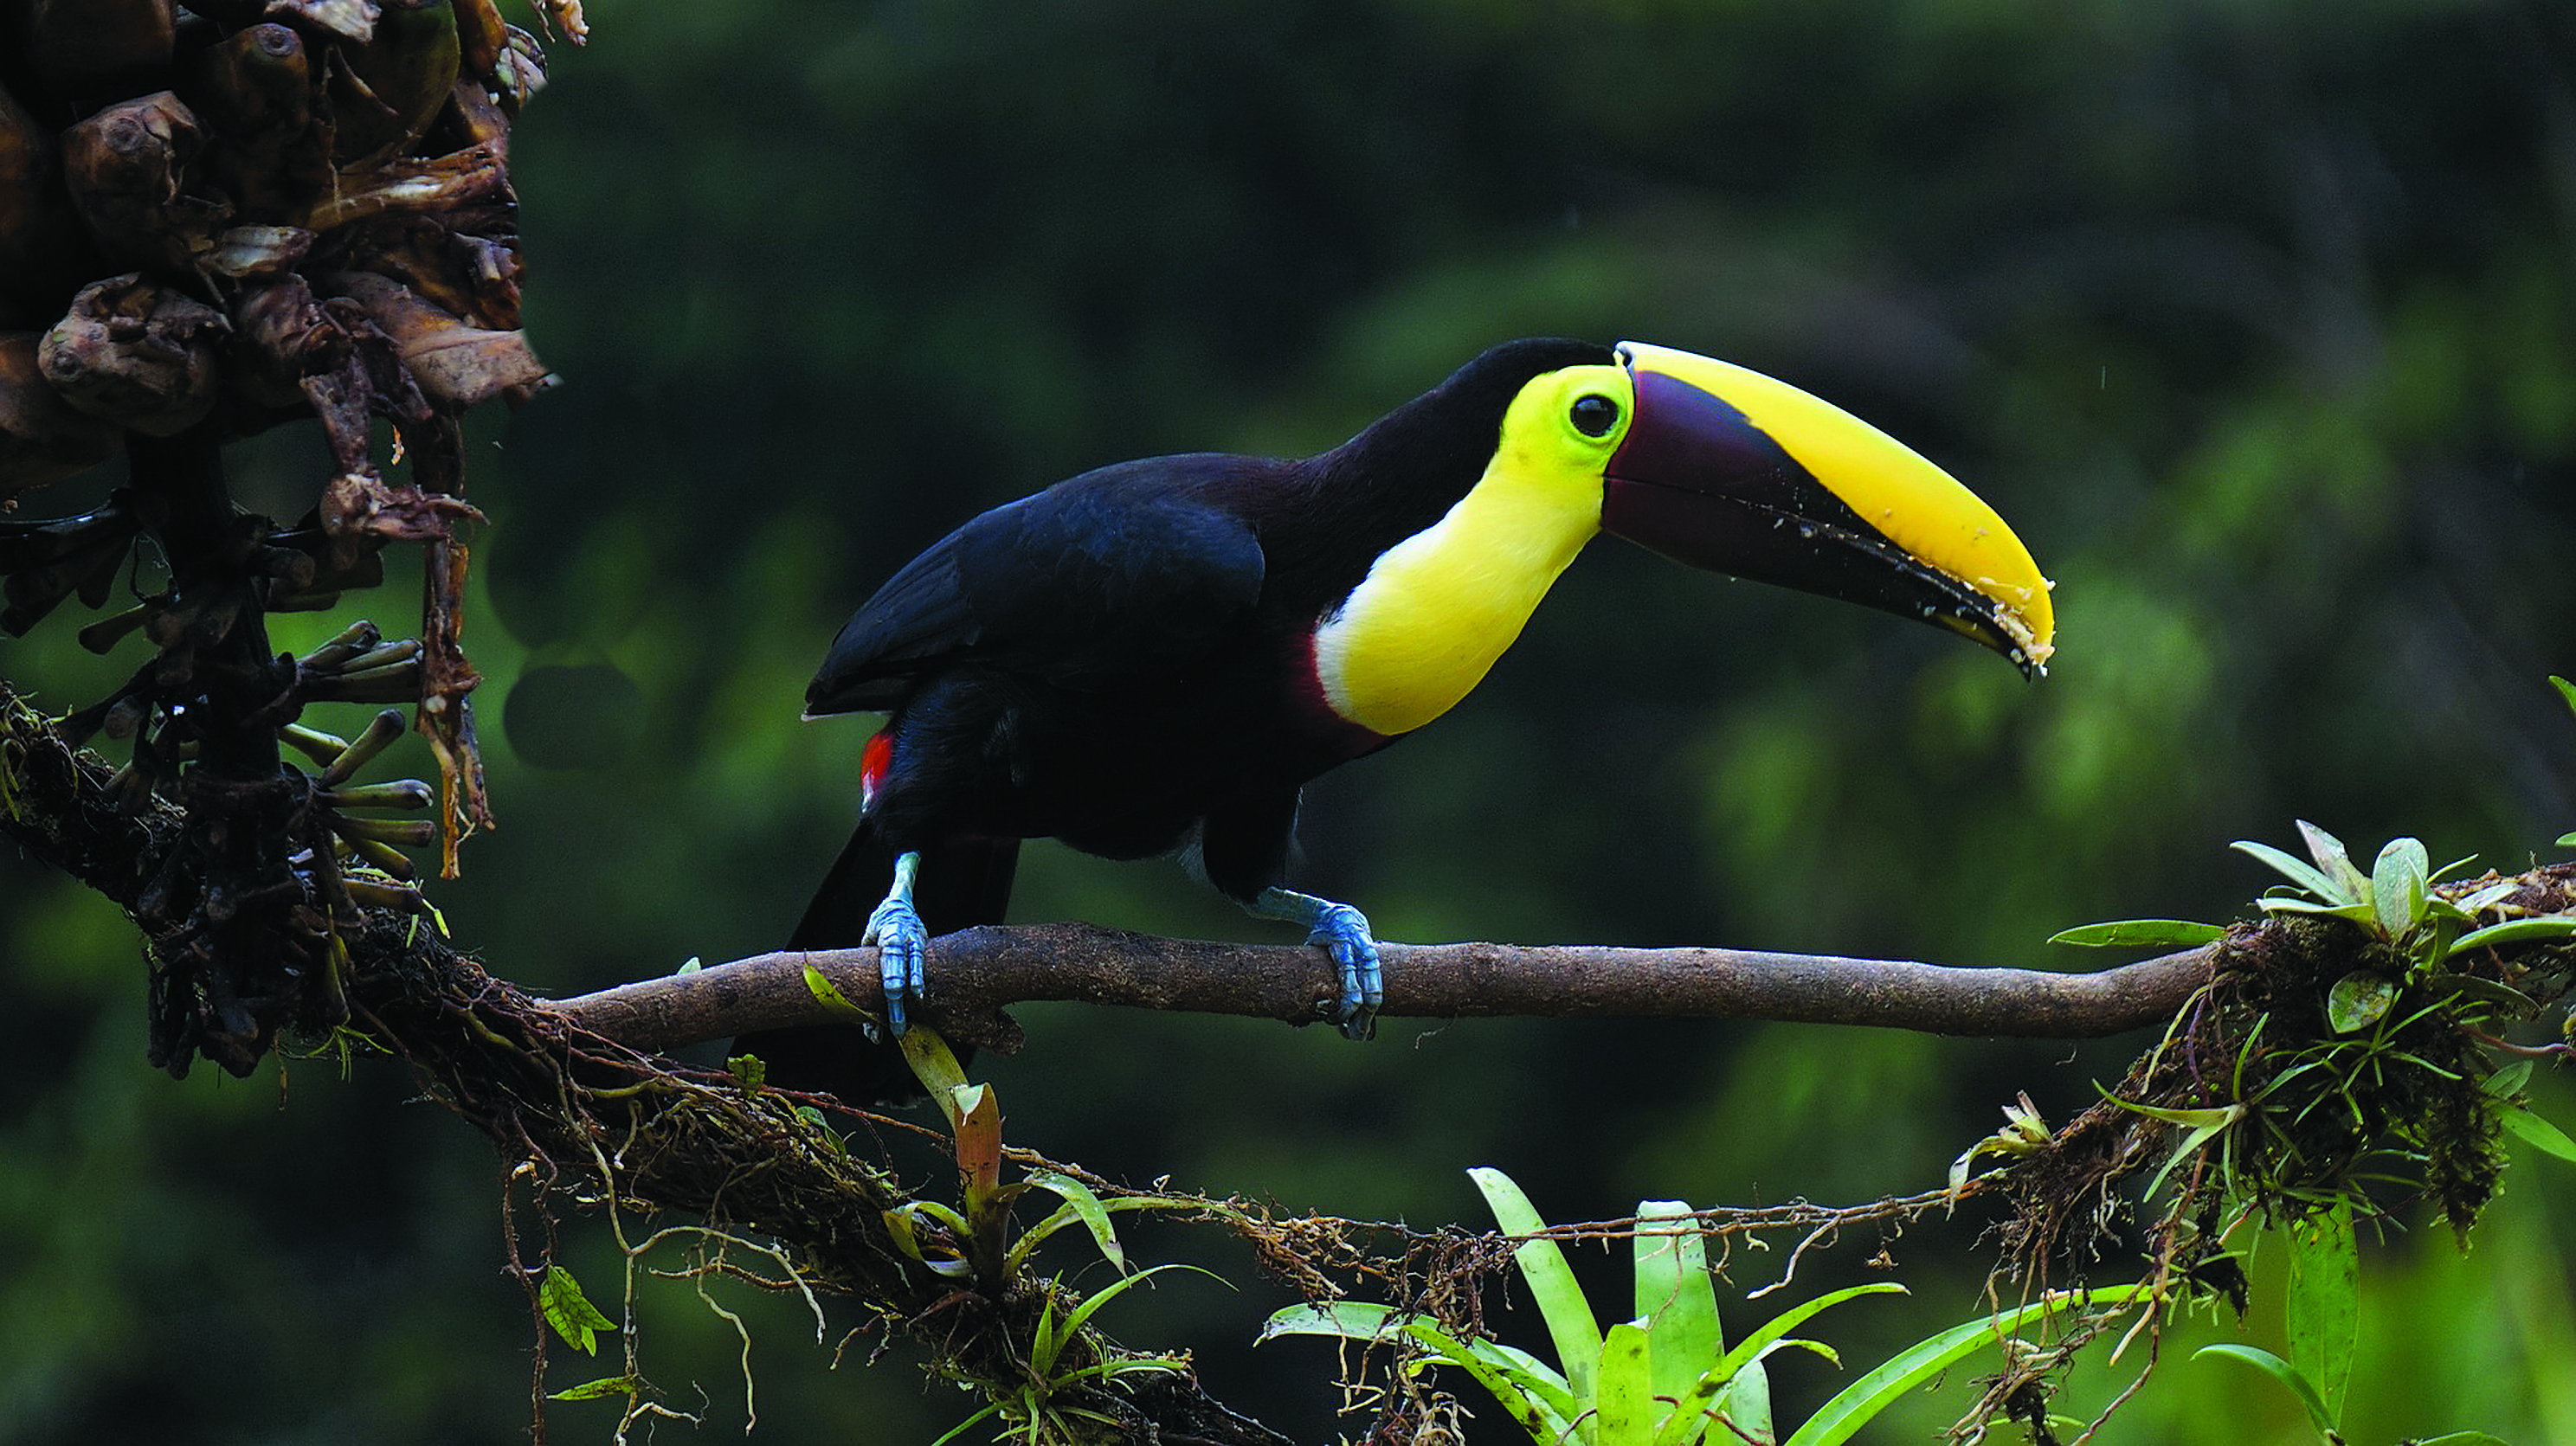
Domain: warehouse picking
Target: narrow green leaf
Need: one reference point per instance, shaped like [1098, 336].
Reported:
[2298, 871]
[627, 1386]
[1747, 1404]
[2463, 990]
[1774, 1333]
[2537, 1132]
[2461, 1438]
[2324, 1303]
[904, 1224]
[2516, 931]
[1675, 1296]
[935, 1065]
[2140, 934]
[2281, 1371]
[1570, 1324]
[570, 1312]
[1531, 1380]
[829, 995]
[1091, 1307]
[2567, 840]
[1694, 1411]
[1748, 1383]
[1536, 1396]
[1081, 1203]
[2397, 884]
[2507, 1082]
[1625, 1389]
[1349, 1320]
[2359, 1000]
[2332, 858]
[962, 1427]
[2211, 1119]
[2483, 899]
[2565, 689]
[1861, 1402]
[2362, 914]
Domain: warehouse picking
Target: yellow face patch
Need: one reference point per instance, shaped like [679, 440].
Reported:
[1426, 624]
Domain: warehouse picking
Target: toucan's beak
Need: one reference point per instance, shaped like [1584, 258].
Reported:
[1729, 470]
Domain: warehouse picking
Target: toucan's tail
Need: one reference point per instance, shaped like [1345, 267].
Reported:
[960, 884]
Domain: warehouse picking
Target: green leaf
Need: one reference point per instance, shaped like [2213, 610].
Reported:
[1081, 1203]
[2565, 689]
[2362, 914]
[1861, 1402]
[1349, 1320]
[2323, 1303]
[1675, 1296]
[2281, 1371]
[2566, 841]
[2397, 884]
[2298, 871]
[2517, 931]
[2359, 1000]
[2140, 934]
[1747, 1405]
[1570, 1325]
[962, 1427]
[1113, 1290]
[2461, 1438]
[1625, 1411]
[935, 1065]
[2204, 1125]
[1774, 1333]
[1696, 1409]
[2444, 873]
[834, 1002]
[627, 1386]
[570, 1312]
[2204, 1121]
[2332, 858]
[1535, 1396]
[2507, 1082]
[902, 1222]
[2537, 1132]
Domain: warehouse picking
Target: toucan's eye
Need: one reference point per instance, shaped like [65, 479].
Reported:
[1594, 414]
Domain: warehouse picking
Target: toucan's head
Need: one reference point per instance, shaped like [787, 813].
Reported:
[1727, 469]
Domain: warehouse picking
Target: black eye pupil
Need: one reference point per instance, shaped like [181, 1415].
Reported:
[1594, 415]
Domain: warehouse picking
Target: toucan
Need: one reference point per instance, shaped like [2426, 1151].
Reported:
[1154, 657]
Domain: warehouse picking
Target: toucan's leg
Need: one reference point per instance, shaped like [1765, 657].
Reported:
[901, 942]
[1345, 932]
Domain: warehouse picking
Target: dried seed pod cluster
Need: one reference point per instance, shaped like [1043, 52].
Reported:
[214, 212]
[216, 218]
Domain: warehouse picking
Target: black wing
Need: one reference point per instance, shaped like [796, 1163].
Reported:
[1134, 566]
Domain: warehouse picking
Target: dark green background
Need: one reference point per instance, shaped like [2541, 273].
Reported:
[2255, 319]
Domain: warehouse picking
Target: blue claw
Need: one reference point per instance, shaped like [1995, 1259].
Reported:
[902, 942]
[1344, 933]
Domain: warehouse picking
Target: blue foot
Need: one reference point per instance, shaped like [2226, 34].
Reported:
[1344, 933]
[901, 942]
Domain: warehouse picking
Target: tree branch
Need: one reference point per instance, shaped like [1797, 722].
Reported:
[978, 971]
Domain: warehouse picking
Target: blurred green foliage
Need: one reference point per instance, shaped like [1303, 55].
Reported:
[2255, 318]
